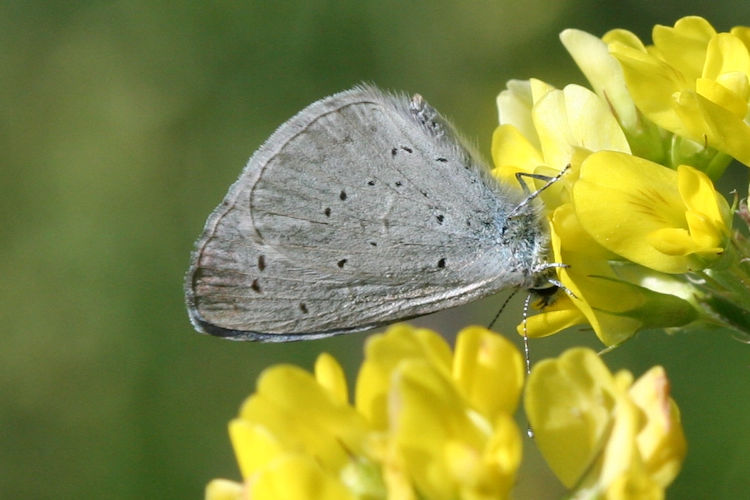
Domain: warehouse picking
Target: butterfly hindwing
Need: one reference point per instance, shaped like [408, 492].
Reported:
[363, 209]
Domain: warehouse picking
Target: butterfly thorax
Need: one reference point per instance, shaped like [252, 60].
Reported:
[525, 236]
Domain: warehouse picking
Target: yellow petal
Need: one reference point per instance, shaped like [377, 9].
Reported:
[461, 461]
[426, 413]
[700, 197]
[690, 120]
[684, 46]
[514, 108]
[555, 317]
[624, 37]
[737, 83]
[691, 82]
[382, 354]
[661, 441]
[488, 370]
[575, 118]
[725, 54]
[426, 408]
[620, 453]
[254, 446]
[602, 433]
[706, 239]
[672, 242]
[569, 402]
[722, 96]
[634, 485]
[588, 264]
[299, 478]
[326, 428]
[742, 33]
[603, 72]
[723, 129]
[539, 89]
[652, 83]
[447, 448]
[709, 124]
[503, 451]
[223, 489]
[620, 200]
[329, 374]
[511, 153]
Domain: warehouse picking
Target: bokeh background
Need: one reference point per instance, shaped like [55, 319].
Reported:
[121, 126]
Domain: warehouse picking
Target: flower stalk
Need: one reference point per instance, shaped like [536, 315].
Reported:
[723, 292]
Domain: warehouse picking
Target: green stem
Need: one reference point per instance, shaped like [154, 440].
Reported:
[724, 292]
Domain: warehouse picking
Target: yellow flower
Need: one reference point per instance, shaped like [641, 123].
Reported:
[383, 353]
[602, 435]
[628, 230]
[693, 81]
[603, 72]
[542, 130]
[274, 440]
[328, 429]
[607, 78]
[666, 220]
[447, 429]
[427, 423]
[449, 449]
[600, 297]
[448, 417]
[547, 129]
[615, 298]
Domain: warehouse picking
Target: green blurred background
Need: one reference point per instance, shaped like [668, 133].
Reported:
[123, 124]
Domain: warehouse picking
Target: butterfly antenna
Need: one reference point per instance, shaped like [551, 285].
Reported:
[526, 303]
[531, 195]
[502, 307]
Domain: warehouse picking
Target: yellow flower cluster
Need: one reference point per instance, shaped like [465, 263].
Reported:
[692, 81]
[428, 423]
[631, 219]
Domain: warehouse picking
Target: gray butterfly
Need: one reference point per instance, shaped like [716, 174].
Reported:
[365, 208]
